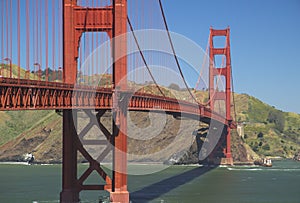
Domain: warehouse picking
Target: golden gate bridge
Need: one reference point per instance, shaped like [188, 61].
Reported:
[49, 62]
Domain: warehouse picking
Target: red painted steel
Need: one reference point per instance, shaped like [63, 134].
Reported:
[113, 20]
[78, 20]
[71, 184]
[39, 95]
[119, 191]
[214, 72]
[70, 190]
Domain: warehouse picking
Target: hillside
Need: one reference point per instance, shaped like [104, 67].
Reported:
[268, 132]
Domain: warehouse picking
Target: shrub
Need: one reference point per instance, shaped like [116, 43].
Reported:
[174, 86]
[255, 148]
[266, 147]
[277, 117]
[260, 135]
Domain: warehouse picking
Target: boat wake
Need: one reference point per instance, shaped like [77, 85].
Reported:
[265, 169]
[244, 169]
[14, 163]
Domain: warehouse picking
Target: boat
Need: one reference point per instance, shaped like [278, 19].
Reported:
[266, 162]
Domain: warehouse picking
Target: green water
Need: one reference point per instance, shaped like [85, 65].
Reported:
[281, 183]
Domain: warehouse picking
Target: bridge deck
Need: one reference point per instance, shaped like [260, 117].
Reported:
[41, 95]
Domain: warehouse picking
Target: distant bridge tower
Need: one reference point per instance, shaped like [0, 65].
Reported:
[223, 97]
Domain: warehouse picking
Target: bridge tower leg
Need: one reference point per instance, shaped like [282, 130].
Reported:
[119, 190]
[70, 192]
[221, 96]
[111, 19]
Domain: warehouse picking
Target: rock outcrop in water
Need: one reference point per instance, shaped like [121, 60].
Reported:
[297, 156]
[240, 151]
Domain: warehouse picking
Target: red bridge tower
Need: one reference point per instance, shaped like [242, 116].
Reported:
[214, 93]
[112, 20]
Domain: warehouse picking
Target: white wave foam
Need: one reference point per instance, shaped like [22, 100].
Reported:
[264, 169]
[244, 169]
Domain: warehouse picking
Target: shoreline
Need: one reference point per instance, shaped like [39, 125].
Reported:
[248, 163]
[129, 163]
[13, 163]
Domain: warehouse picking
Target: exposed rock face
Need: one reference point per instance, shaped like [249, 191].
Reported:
[240, 153]
[297, 156]
[152, 137]
[189, 156]
[42, 141]
[15, 151]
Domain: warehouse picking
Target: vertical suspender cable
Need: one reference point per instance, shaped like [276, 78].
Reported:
[2, 33]
[34, 39]
[135, 55]
[97, 43]
[143, 35]
[80, 61]
[46, 40]
[19, 40]
[233, 97]
[10, 34]
[7, 44]
[27, 39]
[37, 36]
[93, 47]
[60, 40]
[40, 42]
[53, 41]
[203, 64]
[86, 48]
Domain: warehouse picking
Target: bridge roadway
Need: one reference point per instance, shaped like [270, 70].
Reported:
[24, 94]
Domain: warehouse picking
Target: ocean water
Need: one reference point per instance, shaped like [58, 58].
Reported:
[281, 183]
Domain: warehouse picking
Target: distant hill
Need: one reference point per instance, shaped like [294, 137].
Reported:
[268, 131]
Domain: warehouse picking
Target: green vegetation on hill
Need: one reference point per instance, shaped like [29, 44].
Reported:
[14, 123]
[5, 72]
[268, 131]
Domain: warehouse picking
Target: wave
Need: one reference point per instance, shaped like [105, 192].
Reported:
[244, 169]
[47, 164]
[264, 169]
[284, 169]
[14, 163]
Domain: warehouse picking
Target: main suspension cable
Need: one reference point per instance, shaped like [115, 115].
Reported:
[174, 53]
[143, 57]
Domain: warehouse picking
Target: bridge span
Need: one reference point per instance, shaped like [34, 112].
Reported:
[74, 29]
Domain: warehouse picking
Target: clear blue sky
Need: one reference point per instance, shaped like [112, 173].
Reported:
[265, 43]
